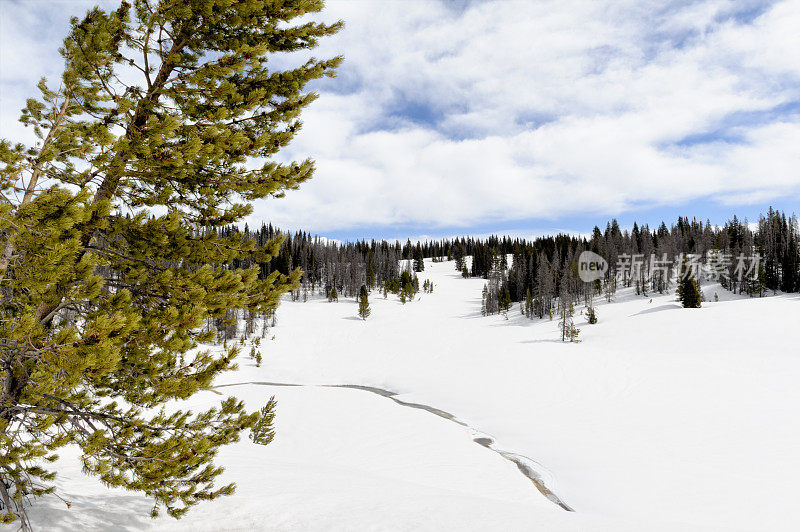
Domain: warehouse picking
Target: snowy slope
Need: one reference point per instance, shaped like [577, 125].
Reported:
[342, 457]
[663, 418]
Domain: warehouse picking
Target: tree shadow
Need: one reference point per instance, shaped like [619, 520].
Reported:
[109, 512]
[660, 308]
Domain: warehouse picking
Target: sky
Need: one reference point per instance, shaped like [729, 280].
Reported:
[523, 118]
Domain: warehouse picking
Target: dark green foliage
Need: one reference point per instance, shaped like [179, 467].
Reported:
[333, 295]
[363, 303]
[591, 315]
[537, 265]
[688, 290]
[759, 286]
[419, 262]
[527, 309]
[370, 271]
[101, 310]
[778, 241]
[505, 300]
[427, 286]
[458, 256]
[406, 286]
[263, 431]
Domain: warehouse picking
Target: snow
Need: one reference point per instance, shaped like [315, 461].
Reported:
[341, 457]
[662, 418]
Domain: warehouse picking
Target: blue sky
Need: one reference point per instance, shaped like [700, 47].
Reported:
[519, 116]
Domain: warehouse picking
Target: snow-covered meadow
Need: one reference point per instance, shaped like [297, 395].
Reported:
[662, 418]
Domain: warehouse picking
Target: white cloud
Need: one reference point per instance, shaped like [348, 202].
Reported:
[542, 109]
[538, 109]
[30, 36]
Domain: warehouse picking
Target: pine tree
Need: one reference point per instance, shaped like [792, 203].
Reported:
[419, 261]
[759, 285]
[688, 291]
[505, 301]
[408, 286]
[363, 303]
[333, 295]
[370, 272]
[101, 309]
[591, 315]
[528, 304]
[458, 255]
[565, 311]
[610, 287]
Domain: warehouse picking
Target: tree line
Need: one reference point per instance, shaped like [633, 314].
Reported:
[540, 274]
[744, 258]
[322, 267]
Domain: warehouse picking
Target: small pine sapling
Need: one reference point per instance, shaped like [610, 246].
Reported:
[688, 290]
[363, 303]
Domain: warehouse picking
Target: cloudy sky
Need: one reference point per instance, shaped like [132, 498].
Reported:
[520, 117]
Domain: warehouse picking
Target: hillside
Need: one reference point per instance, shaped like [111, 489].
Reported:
[662, 418]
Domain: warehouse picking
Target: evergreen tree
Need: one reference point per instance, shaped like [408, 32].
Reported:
[610, 287]
[419, 262]
[333, 295]
[759, 285]
[688, 290]
[597, 287]
[370, 272]
[591, 315]
[505, 301]
[363, 303]
[528, 310]
[569, 333]
[101, 310]
[427, 286]
[538, 265]
[407, 286]
[458, 255]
